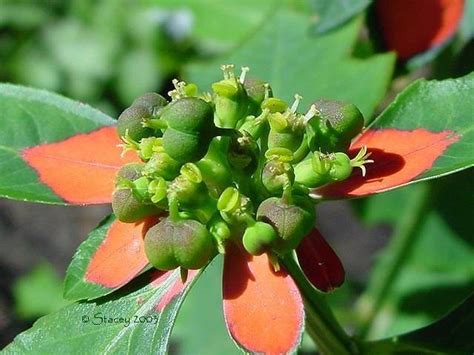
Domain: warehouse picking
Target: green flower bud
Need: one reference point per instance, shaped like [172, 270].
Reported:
[292, 221]
[259, 238]
[326, 168]
[162, 165]
[277, 174]
[243, 153]
[189, 115]
[127, 204]
[273, 105]
[151, 101]
[313, 172]
[215, 167]
[341, 167]
[234, 207]
[130, 123]
[230, 100]
[257, 91]
[185, 243]
[188, 188]
[149, 146]
[334, 126]
[220, 231]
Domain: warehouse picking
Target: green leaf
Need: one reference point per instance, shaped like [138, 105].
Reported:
[334, 13]
[79, 327]
[437, 106]
[203, 306]
[76, 286]
[283, 53]
[223, 23]
[450, 335]
[29, 117]
[428, 266]
[38, 293]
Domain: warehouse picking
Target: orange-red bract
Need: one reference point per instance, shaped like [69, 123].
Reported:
[413, 26]
[263, 309]
[80, 169]
[319, 262]
[400, 156]
[120, 257]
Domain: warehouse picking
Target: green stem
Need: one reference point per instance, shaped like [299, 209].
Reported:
[401, 243]
[321, 324]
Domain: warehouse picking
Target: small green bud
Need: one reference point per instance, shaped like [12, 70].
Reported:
[257, 91]
[341, 167]
[220, 231]
[127, 204]
[215, 168]
[149, 146]
[273, 105]
[243, 153]
[230, 99]
[162, 165]
[277, 176]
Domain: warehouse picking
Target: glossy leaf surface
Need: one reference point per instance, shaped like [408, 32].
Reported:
[115, 324]
[425, 133]
[40, 162]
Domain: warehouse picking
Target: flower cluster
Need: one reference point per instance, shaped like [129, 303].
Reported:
[235, 164]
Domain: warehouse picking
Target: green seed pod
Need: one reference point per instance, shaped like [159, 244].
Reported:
[189, 114]
[259, 238]
[127, 205]
[276, 176]
[130, 122]
[256, 91]
[185, 243]
[334, 126]
[152, 101]
[185, 147]
[292, 221]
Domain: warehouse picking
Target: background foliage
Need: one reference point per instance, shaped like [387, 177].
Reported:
[106, 53]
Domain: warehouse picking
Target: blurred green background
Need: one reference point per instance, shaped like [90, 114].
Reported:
[408, 254]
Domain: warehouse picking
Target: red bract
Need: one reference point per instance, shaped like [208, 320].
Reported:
[410, 27]
[263, 308]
